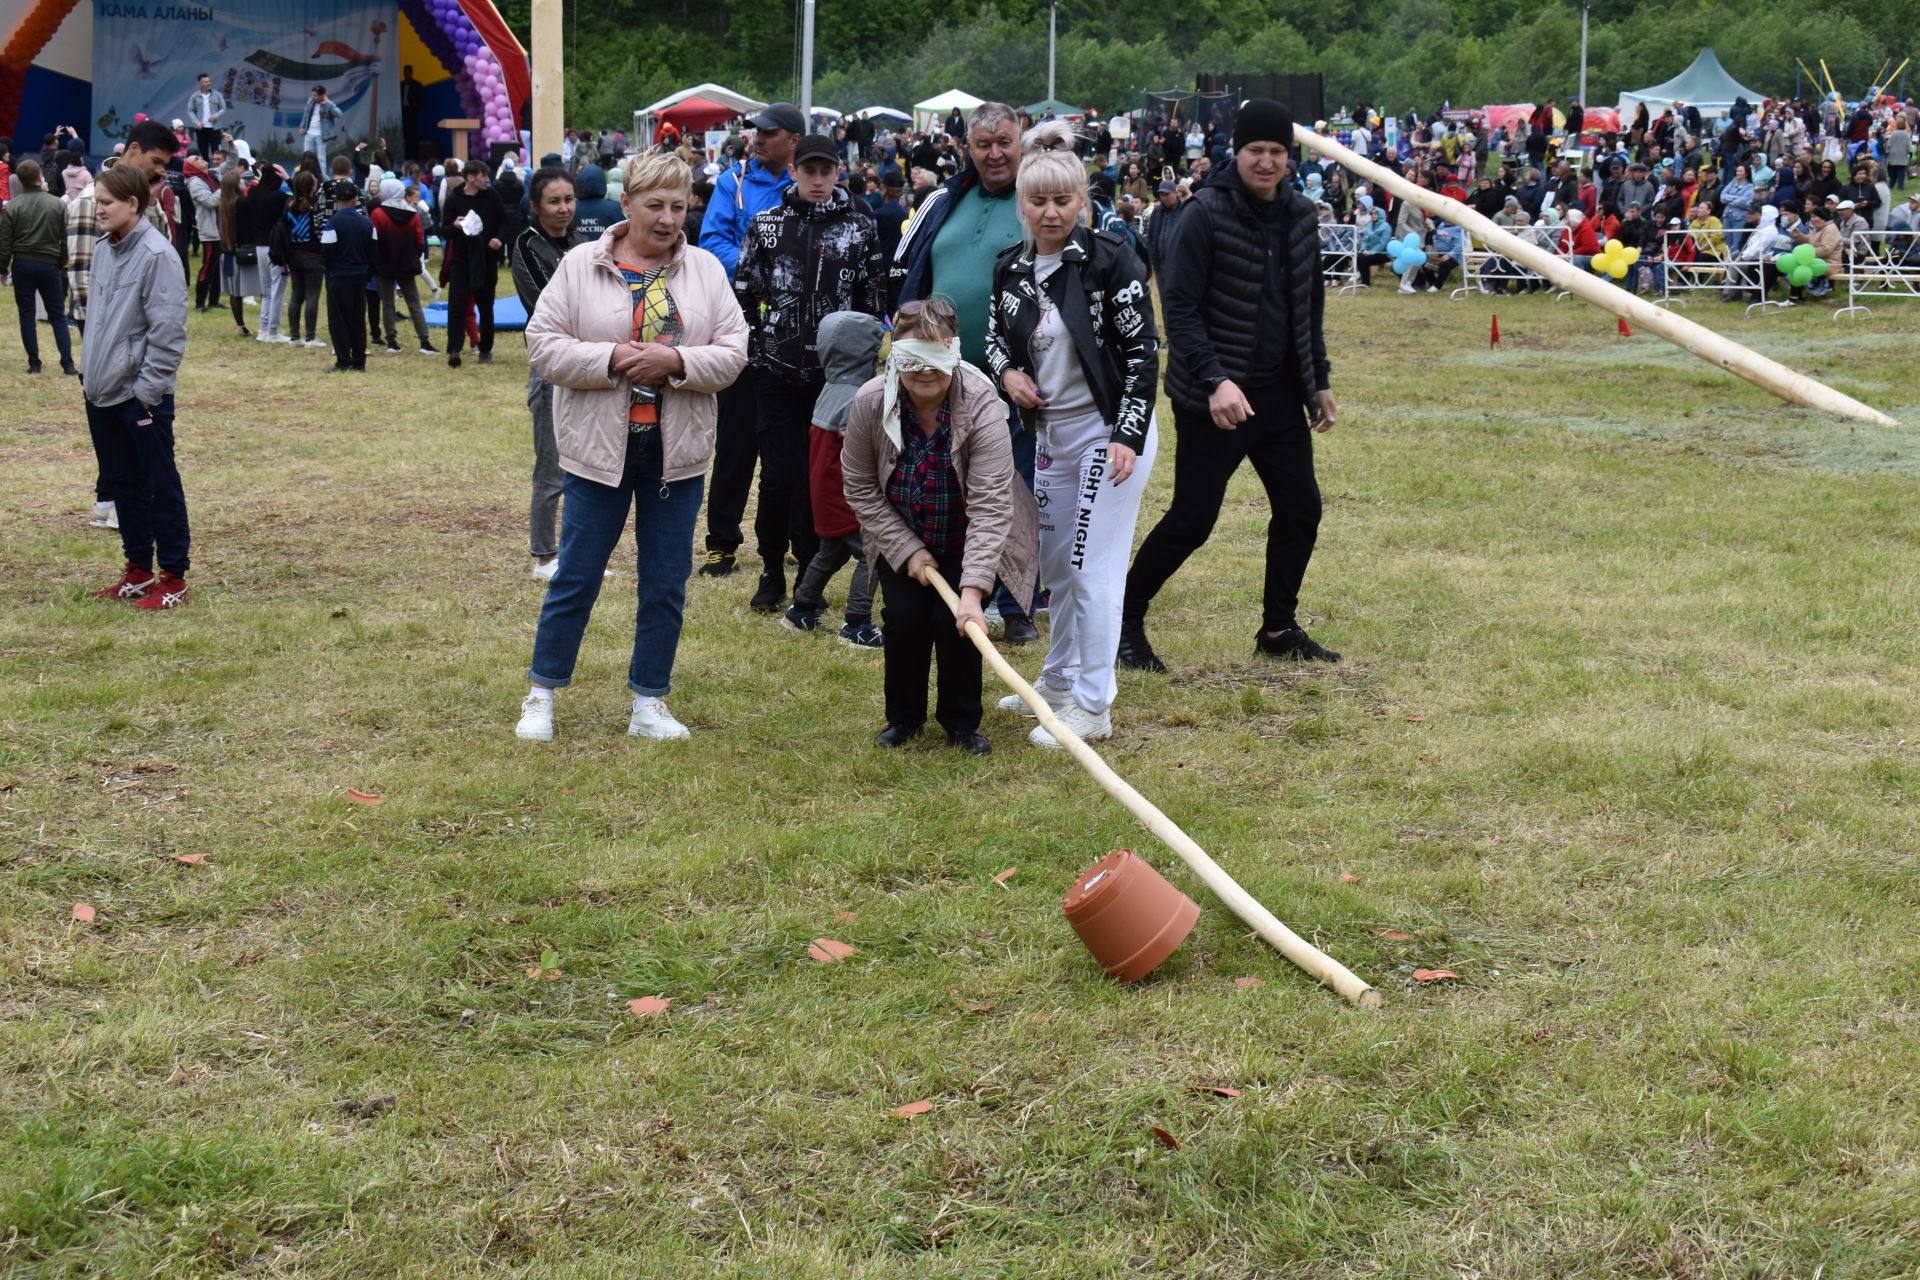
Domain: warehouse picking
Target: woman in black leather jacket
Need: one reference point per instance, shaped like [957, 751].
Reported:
[1071, 340]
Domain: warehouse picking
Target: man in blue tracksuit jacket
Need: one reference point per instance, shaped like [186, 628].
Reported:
[738, 194]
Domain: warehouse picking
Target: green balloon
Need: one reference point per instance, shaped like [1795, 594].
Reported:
[1806, 254]
[1783, 263]
[1819, 267]
[1800, 276]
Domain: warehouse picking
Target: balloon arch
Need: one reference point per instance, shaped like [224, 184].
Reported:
[488, 65]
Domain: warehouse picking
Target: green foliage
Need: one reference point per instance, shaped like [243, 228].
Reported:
[1395, 54]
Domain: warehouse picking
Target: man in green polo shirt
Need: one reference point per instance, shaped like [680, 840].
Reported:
[948, 249]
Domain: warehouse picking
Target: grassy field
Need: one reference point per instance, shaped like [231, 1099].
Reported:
[1627, 739]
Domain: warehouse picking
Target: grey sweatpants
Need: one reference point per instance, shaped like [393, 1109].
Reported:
[543, 518]
[810, 591]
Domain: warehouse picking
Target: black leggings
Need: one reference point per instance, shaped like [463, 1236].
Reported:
[1279, 443]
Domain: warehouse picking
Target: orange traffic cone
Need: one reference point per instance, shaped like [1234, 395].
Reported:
[1624, 331]
[1495, 340]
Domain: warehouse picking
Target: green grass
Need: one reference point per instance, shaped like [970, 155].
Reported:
[1627, 738]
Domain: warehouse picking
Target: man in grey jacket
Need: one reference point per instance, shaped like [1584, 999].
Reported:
[136, 338]
[205, 106]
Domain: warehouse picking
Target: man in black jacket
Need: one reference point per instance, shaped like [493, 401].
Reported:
[473, 261]
[346, 250]
[1247, 373]
[814, 253]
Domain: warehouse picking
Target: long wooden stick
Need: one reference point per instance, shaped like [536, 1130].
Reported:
[1896, 73]
[1831, 88]
[1769, 375]
[1288, 943]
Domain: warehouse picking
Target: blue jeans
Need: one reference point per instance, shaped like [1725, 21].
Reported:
[134, 447]
[1024, 442]
[590, 523]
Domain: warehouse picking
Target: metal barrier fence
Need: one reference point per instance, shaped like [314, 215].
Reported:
[1488, 272]
[1881, 265]
[1340, 255]
[1696, 264]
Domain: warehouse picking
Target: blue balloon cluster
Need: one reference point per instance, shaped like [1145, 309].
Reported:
[1407, 254]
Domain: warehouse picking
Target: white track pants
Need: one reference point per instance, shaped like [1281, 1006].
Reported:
[1086, 538]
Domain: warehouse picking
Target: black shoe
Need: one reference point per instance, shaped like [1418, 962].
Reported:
[1135, 653]
[340, 368]
[1293, 644]
[718, 564]
[69, 370]
[33, 366]
[1018, 628]
[895, 735]
[772, 593]
[453, 360]
[971, 741]
[486, 357]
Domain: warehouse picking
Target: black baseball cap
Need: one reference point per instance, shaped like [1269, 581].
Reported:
[779, 115]
[342, 189]
[815, 146]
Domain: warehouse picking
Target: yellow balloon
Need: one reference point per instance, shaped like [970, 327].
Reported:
[1614, 246]
[1618, 270]
[1630, 256]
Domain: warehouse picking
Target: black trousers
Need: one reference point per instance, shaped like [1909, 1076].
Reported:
[134, 447]
[784, 517]
[460, 287]
[1279, 443]
[46, 282]
[206, 142]
[347, 321]
[919, 629]
[735, 447]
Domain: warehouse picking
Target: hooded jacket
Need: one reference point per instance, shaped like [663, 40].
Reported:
[802, 262]
[1100, 290]
[593, 212]
[1214, 286]
[739, 195]
[399, 240]
[849, 347]
[586, 311]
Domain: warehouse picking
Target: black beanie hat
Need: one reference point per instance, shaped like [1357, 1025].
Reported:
[1262, 120]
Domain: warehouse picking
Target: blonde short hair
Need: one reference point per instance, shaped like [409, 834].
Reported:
[1048, 166]
[657, 169]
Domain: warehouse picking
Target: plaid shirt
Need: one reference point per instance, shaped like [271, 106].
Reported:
[924, 487]
[83, 233]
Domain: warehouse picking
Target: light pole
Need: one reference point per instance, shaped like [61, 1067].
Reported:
[1585, 9]
[1053, 34]
[806, 64]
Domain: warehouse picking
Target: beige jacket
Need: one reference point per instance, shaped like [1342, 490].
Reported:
[586, 311]
[1003, 524]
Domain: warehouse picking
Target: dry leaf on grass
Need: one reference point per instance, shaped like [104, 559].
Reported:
[82, 912]
[1219, 1090]
[364, 797]
[191, 859]
[911, 1109]
[1416, 719]
[1393, 935]
[646, 1005]
[1347, 877]
[830, 951]
[844, 917]
[967, 1004]
[1433, 975]
[1247, 984]
[1006, 875]
[1166, 1139]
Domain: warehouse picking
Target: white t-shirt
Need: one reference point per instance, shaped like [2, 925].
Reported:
[1056, 364]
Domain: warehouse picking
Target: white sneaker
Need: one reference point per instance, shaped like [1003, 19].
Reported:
[545, 572]
[1058, 699]
[536, 718]
[276, 337]
[315, 343]
[105, 516]
[1406, 286]
[651, 719]
[1086, 724]
[1433, 288]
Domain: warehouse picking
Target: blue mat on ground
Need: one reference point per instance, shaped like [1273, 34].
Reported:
[507, 314]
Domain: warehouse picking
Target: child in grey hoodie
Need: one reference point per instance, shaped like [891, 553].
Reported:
[848, 344]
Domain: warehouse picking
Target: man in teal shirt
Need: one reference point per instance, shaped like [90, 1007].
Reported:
[949, 248]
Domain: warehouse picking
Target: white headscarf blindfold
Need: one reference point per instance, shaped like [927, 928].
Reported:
[944, 356]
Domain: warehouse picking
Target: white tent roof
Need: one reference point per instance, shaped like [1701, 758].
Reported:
[889, 112]
[1705, 85]
[952, 99]
[712, 93]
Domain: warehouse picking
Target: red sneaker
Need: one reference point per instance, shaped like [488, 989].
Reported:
[168, 591]
[134, 584]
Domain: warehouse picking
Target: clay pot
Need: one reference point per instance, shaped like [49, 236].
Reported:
[1129, 915]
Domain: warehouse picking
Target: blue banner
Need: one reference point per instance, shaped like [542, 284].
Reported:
[265, 58]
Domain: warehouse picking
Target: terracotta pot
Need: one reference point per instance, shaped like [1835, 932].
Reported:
[1129, 915]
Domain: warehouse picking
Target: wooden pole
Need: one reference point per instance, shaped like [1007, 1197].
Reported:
[1310, 958]
[1896, 73]
[549, 77]
[1769, 375]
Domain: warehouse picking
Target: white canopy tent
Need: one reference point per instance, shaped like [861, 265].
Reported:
[643, 118]
[1705, 85]
[884, 113]
[928, 115]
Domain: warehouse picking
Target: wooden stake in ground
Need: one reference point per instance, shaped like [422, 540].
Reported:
[1768, 375]
[1284, 940]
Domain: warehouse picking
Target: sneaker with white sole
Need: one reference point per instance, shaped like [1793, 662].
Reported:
[315, 344]
[536, 718]
[651, 719]
[105, 516]
[1089, 726]
[1057, 699]
[545, 572]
